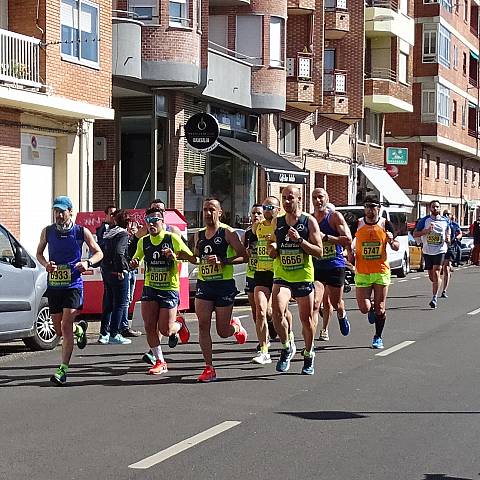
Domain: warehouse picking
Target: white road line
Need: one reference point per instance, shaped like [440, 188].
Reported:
[414, 278]
[388, 351]
[402, 281]
[183, 445]
[474, 312]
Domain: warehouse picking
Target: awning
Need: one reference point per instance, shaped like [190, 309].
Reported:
[278, 169]
[386, 185]
[474, 55]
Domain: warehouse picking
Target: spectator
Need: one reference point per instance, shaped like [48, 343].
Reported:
[475, 233]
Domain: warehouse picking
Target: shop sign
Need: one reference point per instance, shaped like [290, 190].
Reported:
[201, 132]
[286, 177]
[392, 170]
[397, 156]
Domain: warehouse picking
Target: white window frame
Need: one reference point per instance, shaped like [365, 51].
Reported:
[376, 127]
[429, 107]
[455, 57]
[133, 5]
[403, 68]
[447, 5]
[464, 116]
[429, 43]
[444, 46]
[183, 21]
[276, 44]
[78, 22]
[443, 105]
[289, 129]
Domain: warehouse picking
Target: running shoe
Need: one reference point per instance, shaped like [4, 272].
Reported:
[344, 325]
[241, 334]
[262, 358]
[159, 368]
[184, 332]
[208, 375]
[444, 294]
[433, 303]
[59, 377]
[308, 364]
[104, 339]
[286, 355]
[371, 315]
[377, 342]
[119, 340]
[271, 330]
[149, 358]
[173, 340]
[324, 336]
[82, 337]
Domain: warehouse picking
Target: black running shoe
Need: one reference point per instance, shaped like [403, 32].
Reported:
[82, 338]
[173, 340]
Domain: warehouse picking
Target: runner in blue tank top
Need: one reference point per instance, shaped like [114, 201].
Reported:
[330, 269]
[65, 285]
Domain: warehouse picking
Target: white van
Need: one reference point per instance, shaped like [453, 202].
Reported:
[399, 261]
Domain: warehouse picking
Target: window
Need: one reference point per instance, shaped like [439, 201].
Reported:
[6, 250]
[199, 16]
[178, 12]
[362, 131]
[376, 126]
[429, 43]
[80, 31]
[249, 38]
[428, 106]
[463, 116]
[444, 46]
[474, 176]
[437, 168]
[464, 64]
[276, 41]
[403, 7]
[457, 6]
[455, 173]
[427, 165]
[218, 31]
[447, 170]
[288, 137]
[403, 68]
[455, 57]
[454, 112]
[465, 177]
[465, 10]
[447, 5]
[443, 99]
[144, 10]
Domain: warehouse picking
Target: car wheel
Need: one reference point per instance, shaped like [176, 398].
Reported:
[44, 335]
[421, 268]
[403, 270]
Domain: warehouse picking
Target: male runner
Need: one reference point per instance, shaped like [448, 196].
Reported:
[450, 255]
[330, 269]
[372, 235]
[264, 230]
[65, 285]
[216, 288]
[296, 239]
[160, 298]
[434, 229]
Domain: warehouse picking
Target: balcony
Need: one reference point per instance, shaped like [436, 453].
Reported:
[19, 60]
[126, 45]
[337, 19]
[300, 87]
[383, 18]
[300, 7]
[335, 100]
[384, 93]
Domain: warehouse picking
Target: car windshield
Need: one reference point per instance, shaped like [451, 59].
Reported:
[351, 215]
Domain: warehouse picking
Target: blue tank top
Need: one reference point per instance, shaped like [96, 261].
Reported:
[65, 249]
[332, 252]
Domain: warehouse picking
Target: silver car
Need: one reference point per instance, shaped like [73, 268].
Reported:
[24, 312]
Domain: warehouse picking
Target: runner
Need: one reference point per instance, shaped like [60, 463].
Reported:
[372, 234]
[162, 251]
[216, 289]
[330, 269]
[450, 255]
[264, 230]
[296, 239]
[435, 233]
[65, 285]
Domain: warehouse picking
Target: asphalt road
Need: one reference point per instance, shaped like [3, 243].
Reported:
[412, 414]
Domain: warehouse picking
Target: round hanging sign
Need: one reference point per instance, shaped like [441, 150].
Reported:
[201, 132]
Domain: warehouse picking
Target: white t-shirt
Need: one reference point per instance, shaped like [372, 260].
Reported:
[434, 242]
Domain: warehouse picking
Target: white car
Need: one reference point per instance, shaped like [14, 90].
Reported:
[24, 312]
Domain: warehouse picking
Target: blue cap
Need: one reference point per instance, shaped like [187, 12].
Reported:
[62, 203]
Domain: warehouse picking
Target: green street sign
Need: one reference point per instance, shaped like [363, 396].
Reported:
[397, 156]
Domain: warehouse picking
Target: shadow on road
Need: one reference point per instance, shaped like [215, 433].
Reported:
[324, 415]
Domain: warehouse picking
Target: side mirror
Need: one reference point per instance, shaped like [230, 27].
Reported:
[21, 259]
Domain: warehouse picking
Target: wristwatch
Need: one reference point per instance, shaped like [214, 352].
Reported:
[89, 263]
[300, 240]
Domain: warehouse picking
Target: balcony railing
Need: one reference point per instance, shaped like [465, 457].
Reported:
[473, 132]
[300, 66]
[257, 61]
[390, 4]
[19, 59]
[335, 5]
[473, 82]
[335, 82]
[381, 74]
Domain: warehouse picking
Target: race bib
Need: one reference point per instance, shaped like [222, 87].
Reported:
[292, 260]
[265, 262]
[211, 271]
[371, 250]
[434, 238]
[329, 250]
[159, 278]
[62, 277]
[252, 263]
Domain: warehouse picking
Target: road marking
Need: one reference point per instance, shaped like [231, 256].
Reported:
[183, 445]
[474, 312]
[388, 351]
[401, 281]
[414, 278]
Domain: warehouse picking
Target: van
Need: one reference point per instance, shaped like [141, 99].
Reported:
[399, 261]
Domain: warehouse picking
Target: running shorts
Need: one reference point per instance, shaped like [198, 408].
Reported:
[249, 284]
[298, 289]
[364, 280]
[333, 277]
[264, 279]
[60, 298]
[165, 298]
[221, 292]
[433, 260]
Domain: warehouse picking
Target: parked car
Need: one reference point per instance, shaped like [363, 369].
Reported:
[416, 256]
[24, 312]
[466, 247]
[239, 271]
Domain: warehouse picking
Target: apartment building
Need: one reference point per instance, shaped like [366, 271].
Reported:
[55, 81]
[442, 132]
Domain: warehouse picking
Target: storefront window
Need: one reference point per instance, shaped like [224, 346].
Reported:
[194, 188]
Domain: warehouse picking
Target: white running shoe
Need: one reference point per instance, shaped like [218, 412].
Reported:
[324, 336]
[262, 358]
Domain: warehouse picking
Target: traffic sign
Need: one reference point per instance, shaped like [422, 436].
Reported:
[397, 156]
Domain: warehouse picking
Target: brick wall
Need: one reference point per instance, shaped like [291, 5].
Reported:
[10, 162]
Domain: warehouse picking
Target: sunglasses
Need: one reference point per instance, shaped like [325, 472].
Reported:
[371, 205]
[153, 219]
[269, 207]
